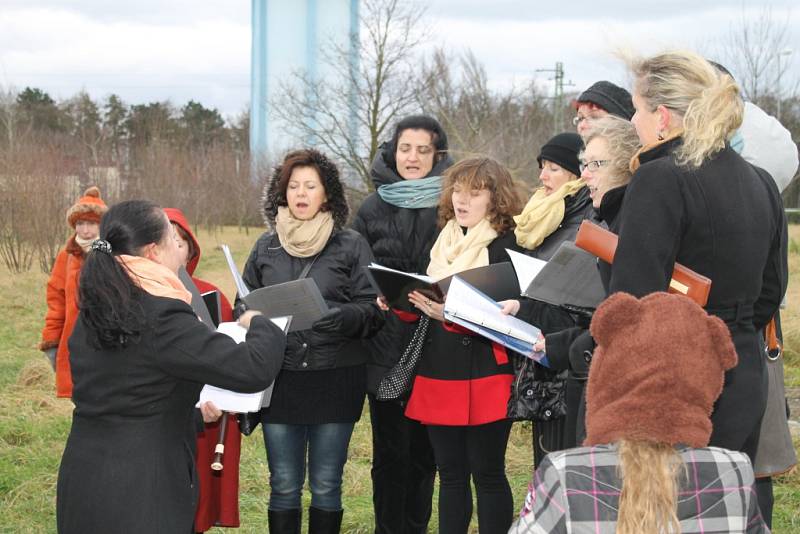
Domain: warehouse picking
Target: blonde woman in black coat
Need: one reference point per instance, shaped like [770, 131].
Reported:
[695, 201]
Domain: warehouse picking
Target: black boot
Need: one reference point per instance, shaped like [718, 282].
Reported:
[322, 522]
[284, 521]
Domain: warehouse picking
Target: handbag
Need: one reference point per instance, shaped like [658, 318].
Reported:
[397, 382]
[250, 420]
[537, 393]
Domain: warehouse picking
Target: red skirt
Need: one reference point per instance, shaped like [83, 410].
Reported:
[218, 503]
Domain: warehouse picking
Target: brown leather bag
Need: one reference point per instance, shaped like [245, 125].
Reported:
[602, 243]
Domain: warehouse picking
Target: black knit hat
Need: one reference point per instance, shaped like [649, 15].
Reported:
[563, 149]
[610, 97]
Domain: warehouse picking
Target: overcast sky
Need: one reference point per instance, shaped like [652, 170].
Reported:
[200, 49]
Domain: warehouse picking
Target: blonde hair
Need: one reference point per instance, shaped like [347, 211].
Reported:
[650, 474]
[707, 101]
[482, 173]
[623, 143]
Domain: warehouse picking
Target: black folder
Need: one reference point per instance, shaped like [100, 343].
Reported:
[198, 304]
[570, 280]
[299, 299]
[498, 281]
[214, 305]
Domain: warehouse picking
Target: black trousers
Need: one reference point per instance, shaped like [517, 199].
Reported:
[403, 470]
[479, 452]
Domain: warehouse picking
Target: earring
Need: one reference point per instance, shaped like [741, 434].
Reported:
[660, 135]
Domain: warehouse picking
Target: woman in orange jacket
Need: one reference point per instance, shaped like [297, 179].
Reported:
[62, 288]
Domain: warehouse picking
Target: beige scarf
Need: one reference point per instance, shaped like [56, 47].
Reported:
[303, 239]
[455, 251]
[154, 278]
[543, 213]
[84, 243]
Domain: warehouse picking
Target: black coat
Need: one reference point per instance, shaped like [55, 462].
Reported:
[128, 465]
[462, 378]
[339, 274]
[724, 220]
[323, 376]
[400, 238]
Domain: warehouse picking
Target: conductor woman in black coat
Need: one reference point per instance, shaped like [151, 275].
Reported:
[695, 201]
[139, 358]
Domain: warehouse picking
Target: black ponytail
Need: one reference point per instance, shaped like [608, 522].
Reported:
[109, 301]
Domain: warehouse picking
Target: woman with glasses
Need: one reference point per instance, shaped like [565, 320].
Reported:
[551, 216]
[601, 100]
[611, 142]
[399, 223]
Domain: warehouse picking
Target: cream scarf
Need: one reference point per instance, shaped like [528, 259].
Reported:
[454, 251]
[543, 213]
[154, 278]
[84, 243]
[303, 239]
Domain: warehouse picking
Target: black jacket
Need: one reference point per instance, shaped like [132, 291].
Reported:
[400, 238]
[339, 274]
[724, 220]
[129, 461]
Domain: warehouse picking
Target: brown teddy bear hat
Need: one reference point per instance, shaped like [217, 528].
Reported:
[658, 368]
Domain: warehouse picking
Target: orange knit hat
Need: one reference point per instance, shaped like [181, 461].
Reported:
[658, 368]
[89, 207]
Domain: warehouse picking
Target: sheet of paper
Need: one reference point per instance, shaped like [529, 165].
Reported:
[233, 401]
[526, 268]
[423, 277]
[241, 288]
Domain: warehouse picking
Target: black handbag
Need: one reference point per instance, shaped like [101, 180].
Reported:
[250, 420]
[397, 382]
[537, 393]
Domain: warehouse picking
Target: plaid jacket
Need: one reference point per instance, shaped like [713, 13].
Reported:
[578, 490]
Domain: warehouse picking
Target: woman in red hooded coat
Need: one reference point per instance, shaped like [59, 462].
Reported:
[218, 504]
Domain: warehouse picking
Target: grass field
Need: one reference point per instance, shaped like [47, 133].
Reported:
[34, 424]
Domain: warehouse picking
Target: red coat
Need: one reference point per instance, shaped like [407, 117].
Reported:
[218, 501]
[462, 379]
[62, 311]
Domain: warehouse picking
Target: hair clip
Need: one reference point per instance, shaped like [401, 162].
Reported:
[101, 245]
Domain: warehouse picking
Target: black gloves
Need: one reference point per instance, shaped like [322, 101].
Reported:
[344, 320]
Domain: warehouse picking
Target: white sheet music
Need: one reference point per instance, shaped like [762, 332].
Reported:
[233, 401]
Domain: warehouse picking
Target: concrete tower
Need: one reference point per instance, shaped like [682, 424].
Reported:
[288, 36]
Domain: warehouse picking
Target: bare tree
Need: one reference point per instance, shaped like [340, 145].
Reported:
[376, 88]
[751, 50]
[508, 125]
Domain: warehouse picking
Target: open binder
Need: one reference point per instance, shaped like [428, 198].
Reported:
[603, 244]
[472, 309]
[497, 280]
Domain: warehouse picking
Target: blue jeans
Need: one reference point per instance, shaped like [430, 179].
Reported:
[286, 456]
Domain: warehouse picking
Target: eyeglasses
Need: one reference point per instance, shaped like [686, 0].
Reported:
[593, 165]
